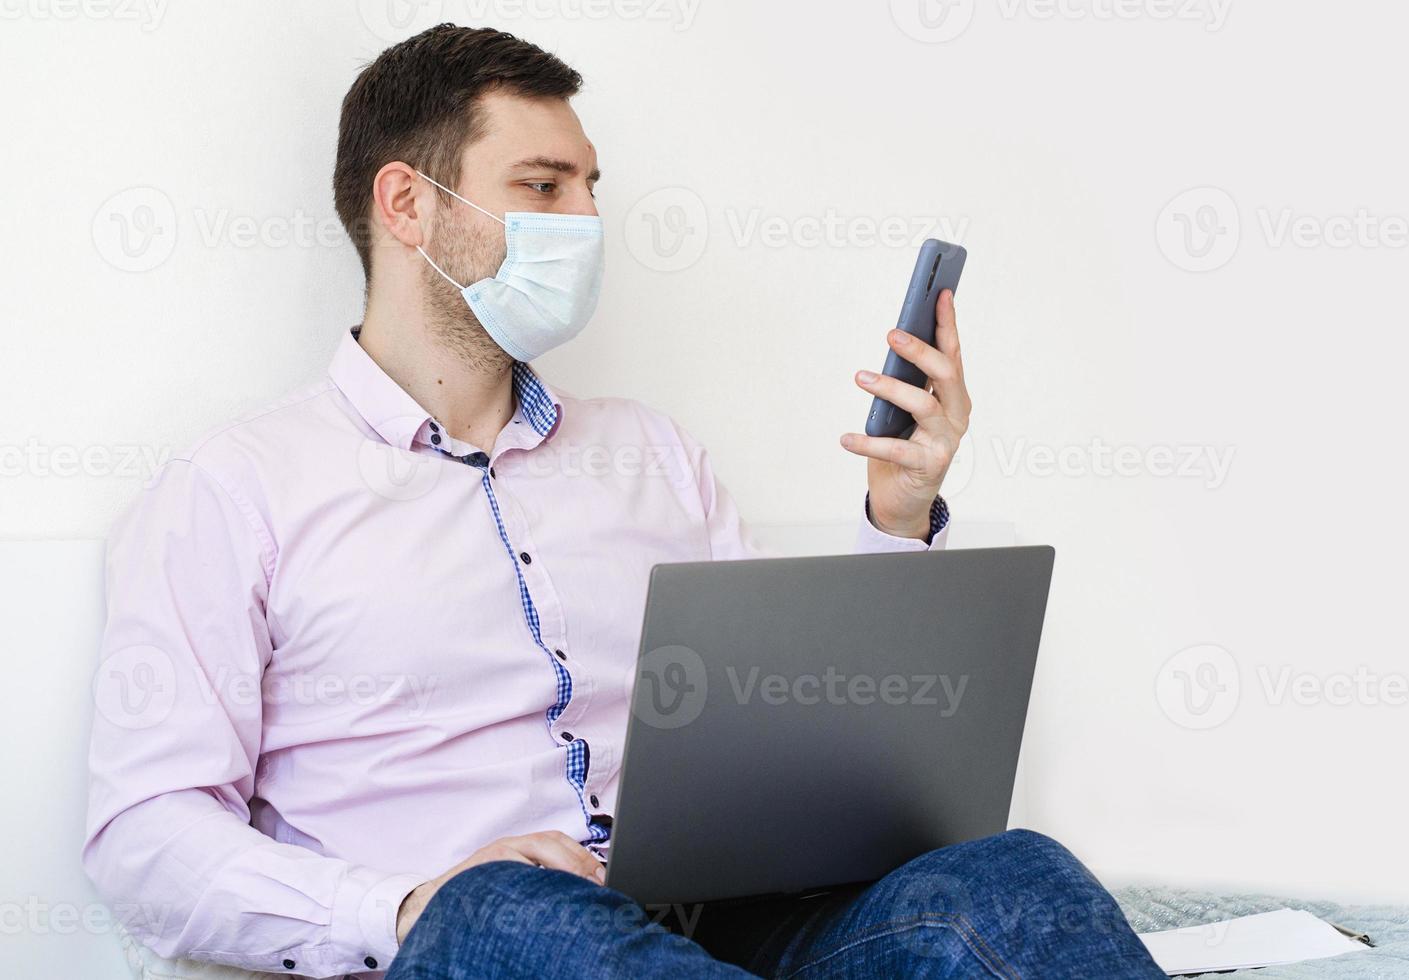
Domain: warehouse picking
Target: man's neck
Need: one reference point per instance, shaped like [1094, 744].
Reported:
[473, 399]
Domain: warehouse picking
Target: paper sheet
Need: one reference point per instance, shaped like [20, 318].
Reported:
[1266, 939]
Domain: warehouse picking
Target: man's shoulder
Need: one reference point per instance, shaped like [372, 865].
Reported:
[642, 438]
[608, 414]
[268, 431]
[237, 460]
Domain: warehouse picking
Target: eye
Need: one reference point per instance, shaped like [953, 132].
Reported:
[543, 187]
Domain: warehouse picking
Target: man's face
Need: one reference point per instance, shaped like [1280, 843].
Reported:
[531, 155]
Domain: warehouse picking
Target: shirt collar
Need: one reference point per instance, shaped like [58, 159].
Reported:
[536, 401]
[400, 420]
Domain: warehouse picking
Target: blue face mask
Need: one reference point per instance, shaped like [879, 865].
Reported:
[546, 290]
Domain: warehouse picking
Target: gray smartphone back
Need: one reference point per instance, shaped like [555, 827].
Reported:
[938, 268]
[805, 722]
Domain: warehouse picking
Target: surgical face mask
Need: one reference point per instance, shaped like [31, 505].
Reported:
[546, 290]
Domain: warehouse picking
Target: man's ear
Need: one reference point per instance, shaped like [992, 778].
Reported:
[401, 203]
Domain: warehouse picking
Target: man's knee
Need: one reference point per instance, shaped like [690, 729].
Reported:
[525, 898]
[510, 889]
[1024, 845]
[1028, 847]
[511, 879]
[505, 911]
[953, 878]
[1013, 897]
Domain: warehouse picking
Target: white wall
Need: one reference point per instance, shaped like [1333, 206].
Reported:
[1049, 145]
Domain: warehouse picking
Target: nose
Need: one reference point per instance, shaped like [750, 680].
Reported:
[580, 200]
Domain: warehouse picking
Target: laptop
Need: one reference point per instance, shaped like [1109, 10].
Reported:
[804, 723]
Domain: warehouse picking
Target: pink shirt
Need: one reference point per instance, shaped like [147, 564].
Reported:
[319, 684]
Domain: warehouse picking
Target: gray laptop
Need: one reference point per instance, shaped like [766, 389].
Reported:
[799, 723]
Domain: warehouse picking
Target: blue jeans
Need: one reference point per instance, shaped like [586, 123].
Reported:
[1016, 904]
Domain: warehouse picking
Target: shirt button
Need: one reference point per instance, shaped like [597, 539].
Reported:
[567, 736]
[435, 440]
[523, 557]
[434, 427]
[289, 964]
[371, 962]
[492, 474]
[594, 801]
[560, 655]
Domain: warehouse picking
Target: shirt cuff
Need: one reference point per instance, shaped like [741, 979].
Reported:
[364, 916]
[872, 539]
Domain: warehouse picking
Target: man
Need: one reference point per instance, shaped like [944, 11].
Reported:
[380, 630]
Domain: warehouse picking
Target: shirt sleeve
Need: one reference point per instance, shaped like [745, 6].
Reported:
[731, 537]
[175, 742]
[870, 538]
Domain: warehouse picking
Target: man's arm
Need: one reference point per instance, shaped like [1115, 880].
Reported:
[871, 539]
[176, 737]
[904, 475]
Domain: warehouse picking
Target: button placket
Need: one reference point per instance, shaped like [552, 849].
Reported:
[545, 597]
[603, 764]
[546, 606]
[575, 716]
[535, 574]
[565, 728]
[582, 691]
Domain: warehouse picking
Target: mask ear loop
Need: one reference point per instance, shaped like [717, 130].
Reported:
[439, 269]
[459, 198]
[463, 201]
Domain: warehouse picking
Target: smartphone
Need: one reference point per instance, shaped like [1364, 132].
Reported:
[936, 270]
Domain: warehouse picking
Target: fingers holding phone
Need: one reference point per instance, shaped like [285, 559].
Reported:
[921, 406]
[938, 405]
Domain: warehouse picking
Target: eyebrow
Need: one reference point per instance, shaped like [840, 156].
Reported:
[558, 166]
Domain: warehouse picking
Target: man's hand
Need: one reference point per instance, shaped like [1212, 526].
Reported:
[547, 849]
[904, 475]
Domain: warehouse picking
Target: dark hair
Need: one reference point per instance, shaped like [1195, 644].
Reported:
[417, 102]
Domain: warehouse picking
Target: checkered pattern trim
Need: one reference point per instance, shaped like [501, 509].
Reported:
[538, 408]
[534, 401]
[939, 516]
